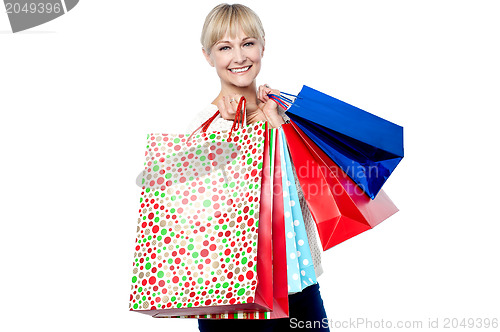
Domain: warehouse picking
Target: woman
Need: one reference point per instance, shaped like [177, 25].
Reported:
[233, 43]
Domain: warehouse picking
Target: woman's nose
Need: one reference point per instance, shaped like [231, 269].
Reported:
[239, 55]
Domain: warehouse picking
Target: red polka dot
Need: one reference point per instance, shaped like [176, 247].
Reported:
[151, 215]
[156, 229]
[204, 253]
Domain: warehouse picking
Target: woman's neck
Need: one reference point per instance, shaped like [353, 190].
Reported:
[249, 92]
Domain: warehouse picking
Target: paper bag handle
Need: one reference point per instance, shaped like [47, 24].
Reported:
[239, 119]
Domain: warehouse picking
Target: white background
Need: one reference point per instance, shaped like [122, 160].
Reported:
[79, 94]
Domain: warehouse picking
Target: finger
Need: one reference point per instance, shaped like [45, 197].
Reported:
[223, 109]
[236, 102]
[228, 103]
[265, 91]
[261, 94]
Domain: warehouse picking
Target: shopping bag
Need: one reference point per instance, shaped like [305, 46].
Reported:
[292, 261]
[203, 241]
[280, 289]
[366, 147]
[300, 266]
[338, 206]
[278, 266]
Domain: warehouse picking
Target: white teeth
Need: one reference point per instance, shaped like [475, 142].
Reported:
[239, 70]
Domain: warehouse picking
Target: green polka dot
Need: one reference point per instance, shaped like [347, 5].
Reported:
[241, 291]
[134, 279]
[207, 203]
[148, 266]
[161, 274]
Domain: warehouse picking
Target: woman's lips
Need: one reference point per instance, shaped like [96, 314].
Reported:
[240, 70]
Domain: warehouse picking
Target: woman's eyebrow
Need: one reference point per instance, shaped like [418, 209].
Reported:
[226, 41]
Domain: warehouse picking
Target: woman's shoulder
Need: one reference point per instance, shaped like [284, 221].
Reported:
[219, 124]
[202, 116]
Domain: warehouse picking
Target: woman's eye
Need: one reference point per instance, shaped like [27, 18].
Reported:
[249, 44]
[223, 48]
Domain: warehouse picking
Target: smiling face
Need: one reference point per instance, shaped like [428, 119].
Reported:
[236, 59]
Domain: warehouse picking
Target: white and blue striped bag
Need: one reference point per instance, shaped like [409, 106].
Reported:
[300, 268]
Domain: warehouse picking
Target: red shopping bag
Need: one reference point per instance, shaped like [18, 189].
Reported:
[280, 281]
[339, 207]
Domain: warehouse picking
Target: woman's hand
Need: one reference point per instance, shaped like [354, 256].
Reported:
[228, 105]
[268, 106]
[266, 110]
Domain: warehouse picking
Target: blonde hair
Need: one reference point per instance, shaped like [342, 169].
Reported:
[229, 18]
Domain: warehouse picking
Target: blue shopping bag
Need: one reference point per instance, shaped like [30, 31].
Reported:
[300, 267]
[366, 147]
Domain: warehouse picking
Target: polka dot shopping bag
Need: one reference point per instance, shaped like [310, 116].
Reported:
[203, 243]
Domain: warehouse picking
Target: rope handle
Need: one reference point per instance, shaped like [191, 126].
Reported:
[282, 100]
[239, 120]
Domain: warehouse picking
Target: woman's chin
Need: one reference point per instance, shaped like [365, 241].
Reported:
[243, 83]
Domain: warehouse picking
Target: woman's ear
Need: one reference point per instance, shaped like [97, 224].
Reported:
[209, 60]
[263, 46]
